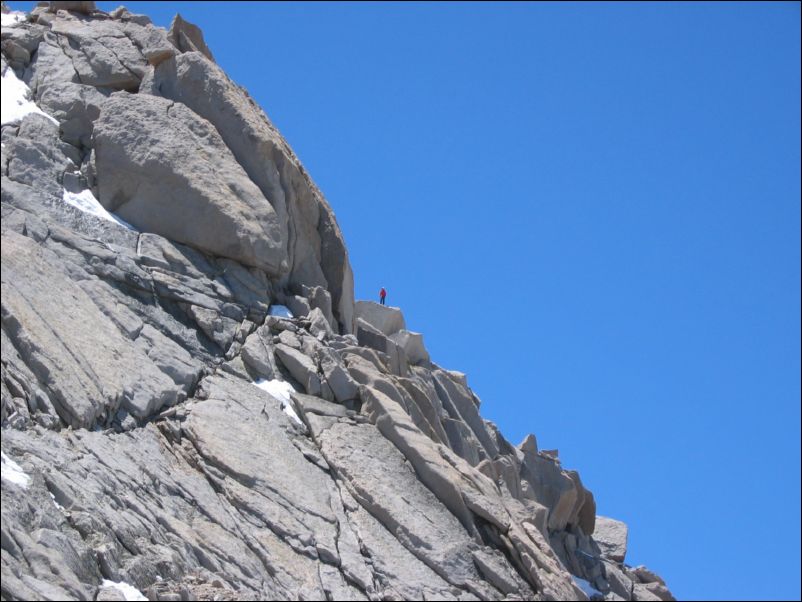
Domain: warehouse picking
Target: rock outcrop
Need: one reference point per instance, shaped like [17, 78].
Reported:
[164, 169]
[169, 426]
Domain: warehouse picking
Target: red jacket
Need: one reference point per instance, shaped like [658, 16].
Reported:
[382, 293]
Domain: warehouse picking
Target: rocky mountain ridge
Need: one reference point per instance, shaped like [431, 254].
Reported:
[193, 404]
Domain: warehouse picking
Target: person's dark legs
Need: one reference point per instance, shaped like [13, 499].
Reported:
[382, 301]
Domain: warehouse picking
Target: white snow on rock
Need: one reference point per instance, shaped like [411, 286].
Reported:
[11, 19]
[16, 99]
[281, 390]
[86, 202]
[282, 311]
[12, 472]
[59, 506]
[586, 587]
[128, 591]
[290, 411]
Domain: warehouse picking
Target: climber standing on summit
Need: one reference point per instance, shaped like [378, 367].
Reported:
[382, 295]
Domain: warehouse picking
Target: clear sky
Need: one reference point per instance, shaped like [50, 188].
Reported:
[594, 212]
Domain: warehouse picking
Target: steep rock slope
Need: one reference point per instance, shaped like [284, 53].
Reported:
[169, 424]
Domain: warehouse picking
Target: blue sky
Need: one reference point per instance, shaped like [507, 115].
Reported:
[594, 212]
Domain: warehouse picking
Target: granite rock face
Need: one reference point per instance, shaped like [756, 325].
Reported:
[164, 169]
[167, 427]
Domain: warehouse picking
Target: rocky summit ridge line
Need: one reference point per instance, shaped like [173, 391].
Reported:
[193, 404]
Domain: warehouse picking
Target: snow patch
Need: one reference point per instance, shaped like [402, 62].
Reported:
[12, 18]
[12, 472]
[282, 311]
[586, 587]
[128, 591]
[86, 202]
[280, 389]
[53, 497]
[16, 99]
[290, 411]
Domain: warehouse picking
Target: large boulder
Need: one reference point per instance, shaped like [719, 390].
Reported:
[412, 344]
[493, 566]
[619, 582]
[50, 64]
[101, 53]
[584, 511]
[342, 385]
[316, 250]
[387, 320]
[76, 106]
[646, 575]
[257, 353]
[188, 37]
[300, 367]
[545, 482]
[151, 41]
[37, 159]
[611, 536]
[318, 297]
[19, 43]
[372, 337]
[163, 169]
